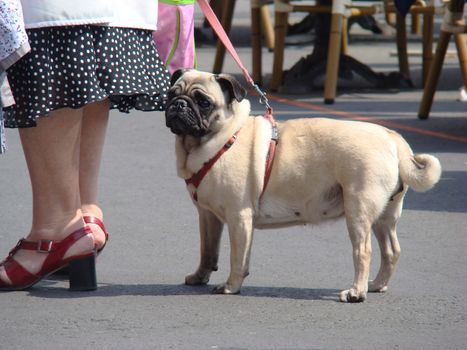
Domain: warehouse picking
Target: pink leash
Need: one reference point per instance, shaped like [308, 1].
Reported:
[217, 26]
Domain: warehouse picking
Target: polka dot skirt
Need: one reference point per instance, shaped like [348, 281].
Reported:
[76, 65]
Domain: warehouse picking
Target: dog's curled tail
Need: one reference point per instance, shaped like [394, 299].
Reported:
[420, 171]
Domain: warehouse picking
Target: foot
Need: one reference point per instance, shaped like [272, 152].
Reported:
[93, 217]
[32, 260]
[232, 285]
[196, 280]
[200, 277]
[225, 288]
[352, 296]
[98, 231]
[375, 287]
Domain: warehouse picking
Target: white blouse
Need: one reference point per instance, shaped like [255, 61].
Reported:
[140, 14]
[13, 38]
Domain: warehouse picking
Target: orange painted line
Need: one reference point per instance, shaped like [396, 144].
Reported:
[353, 116]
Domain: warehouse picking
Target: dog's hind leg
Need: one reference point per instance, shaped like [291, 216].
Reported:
[385, 232]
[210, 228]
[360, 213]
[241, 236]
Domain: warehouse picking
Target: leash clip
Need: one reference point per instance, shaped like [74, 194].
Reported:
[262, 96]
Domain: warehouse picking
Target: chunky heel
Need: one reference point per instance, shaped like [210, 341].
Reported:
[83, 274]
[82, 268]
[63, 272]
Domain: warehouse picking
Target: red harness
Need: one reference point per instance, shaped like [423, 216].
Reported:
[196, 178]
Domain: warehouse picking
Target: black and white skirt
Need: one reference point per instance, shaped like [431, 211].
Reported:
[77, 65]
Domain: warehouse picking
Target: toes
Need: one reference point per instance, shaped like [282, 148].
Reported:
[376, 288]
[352, 296]
[224, 289]
[196, 280]
[4, 278]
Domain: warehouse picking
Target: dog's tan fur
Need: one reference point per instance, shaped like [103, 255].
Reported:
[323, 169]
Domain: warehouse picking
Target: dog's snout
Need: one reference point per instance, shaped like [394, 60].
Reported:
[180, 104]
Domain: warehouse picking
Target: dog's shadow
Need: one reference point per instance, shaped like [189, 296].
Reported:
[51, 289]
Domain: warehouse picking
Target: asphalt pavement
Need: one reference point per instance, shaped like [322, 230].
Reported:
[290, 300]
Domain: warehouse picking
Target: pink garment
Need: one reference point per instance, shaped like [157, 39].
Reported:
[174, 37]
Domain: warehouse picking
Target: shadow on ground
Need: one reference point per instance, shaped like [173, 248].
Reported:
[57, 290]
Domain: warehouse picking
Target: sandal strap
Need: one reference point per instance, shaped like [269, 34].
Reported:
[47, 245]
[88, 219]
[62, 247]
[42, 245]
[16, 273]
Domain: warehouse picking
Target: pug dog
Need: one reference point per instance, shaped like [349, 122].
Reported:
[323, 169]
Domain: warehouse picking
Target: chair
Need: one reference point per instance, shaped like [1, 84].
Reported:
[428, 11]
[261, 25]
[415, 24]
[453, 24]
[340, 11]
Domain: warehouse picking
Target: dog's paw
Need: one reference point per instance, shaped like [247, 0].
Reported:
[352, 296]
[196, 280]
[224, 288]
[376, 287]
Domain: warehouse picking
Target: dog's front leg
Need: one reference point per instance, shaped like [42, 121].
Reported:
[241, 236]
[210, 228]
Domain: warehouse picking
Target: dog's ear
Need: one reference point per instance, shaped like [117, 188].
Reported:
[176, 75]
[231, 85]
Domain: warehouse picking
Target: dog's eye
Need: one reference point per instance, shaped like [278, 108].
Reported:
[204, 103]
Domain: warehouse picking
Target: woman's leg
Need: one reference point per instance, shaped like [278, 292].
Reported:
[52, 155]
[94, 126]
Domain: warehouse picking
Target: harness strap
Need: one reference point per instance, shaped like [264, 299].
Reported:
[196, 178]
[272, 147]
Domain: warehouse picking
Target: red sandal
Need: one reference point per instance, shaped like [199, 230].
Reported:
[94, 220]
[82, 270]
[88, 219]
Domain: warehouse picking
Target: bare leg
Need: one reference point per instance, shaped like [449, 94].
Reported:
[210, 234]
[52, 155]
[94, 126]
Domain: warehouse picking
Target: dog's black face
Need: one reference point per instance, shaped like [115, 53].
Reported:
[188, 115]
[196, 99]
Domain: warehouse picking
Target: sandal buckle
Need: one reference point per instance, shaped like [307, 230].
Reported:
[44, 246]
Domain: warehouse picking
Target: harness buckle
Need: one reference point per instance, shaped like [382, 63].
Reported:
[231, 142]
[274, 133]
